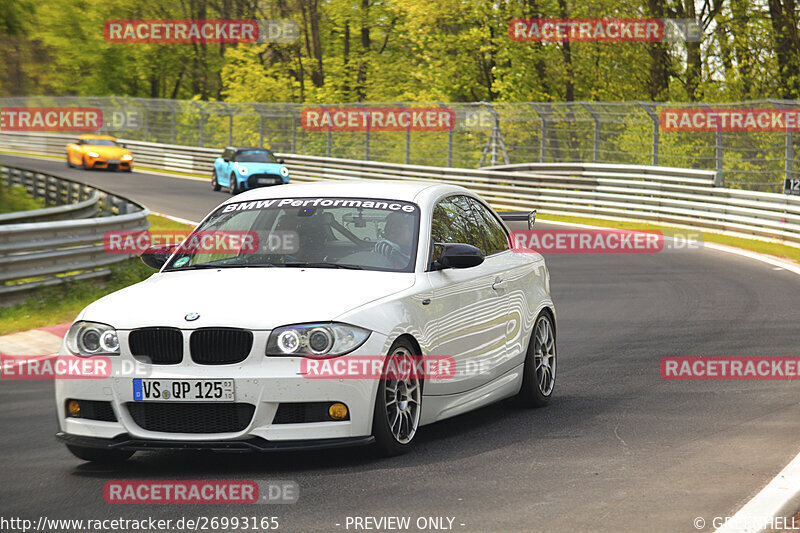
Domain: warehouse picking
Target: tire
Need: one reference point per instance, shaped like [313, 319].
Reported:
[539, 375]
[85, 166]
[214, 184]
[99, 455]
[390, 437]
[234, 185]
[69, 163]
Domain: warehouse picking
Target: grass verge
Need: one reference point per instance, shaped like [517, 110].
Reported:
[61, 303]
[17, 198]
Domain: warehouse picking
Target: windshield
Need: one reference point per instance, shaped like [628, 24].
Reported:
[256, 157]
[314, 232]
[99, 142]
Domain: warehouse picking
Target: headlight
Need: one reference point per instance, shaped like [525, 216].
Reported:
[243, 170]
[92, 338]
[126, 157]
[93, 154]
[284, 171]
[326, 339]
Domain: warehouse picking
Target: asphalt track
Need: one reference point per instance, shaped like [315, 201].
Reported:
[619, 448]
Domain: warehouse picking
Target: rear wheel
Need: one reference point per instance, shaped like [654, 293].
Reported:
[234, 186]
[539, 376]
[214, 183]
[398, 403]
[99, 455]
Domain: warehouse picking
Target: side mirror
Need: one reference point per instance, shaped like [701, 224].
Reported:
[280, 161]
[157, 255]
[123, 145]
[458, 255]
[531, 219]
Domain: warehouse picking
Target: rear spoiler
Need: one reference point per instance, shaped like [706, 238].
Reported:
[514, 216]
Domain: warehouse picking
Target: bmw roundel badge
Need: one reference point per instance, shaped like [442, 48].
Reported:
[192, 316]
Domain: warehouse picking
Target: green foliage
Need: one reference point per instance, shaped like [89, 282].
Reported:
[17, 198]
[403, 50]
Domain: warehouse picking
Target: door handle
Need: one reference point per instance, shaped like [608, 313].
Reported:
[500, 285]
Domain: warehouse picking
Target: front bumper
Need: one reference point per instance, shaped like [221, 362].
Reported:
[264, 180]
[264, 382]
[254, 444]
[103, 163]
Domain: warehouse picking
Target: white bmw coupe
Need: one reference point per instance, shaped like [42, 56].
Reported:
[273, 346]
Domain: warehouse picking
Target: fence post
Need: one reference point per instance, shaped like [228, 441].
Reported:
[260, 127]
[495, 140]
[173, 133]
[202, 122]
[596, 141]
[543, 136]
[719, 178]
[449, 139]
[787, 164]
[648, 108]
[366, 141]
[294, 130]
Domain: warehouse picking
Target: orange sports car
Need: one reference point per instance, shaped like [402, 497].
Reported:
[99, 151]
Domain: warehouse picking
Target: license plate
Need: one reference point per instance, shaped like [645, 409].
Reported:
[112, 162]
[267, 181]
[183, 390]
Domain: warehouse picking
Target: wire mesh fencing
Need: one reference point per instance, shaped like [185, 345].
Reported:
[476, 134]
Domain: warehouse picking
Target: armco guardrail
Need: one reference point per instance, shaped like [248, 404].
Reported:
[672, 196]
[68, 245]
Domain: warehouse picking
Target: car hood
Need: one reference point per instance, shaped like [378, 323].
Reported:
[250, 298]
[254, 168]
[110, 152]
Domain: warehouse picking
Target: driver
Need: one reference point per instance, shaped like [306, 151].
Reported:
[398, 236]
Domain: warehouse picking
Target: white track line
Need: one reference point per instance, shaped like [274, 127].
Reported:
[769, 504]
[176, 219]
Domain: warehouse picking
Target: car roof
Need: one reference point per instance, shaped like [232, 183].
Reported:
[420, 192]
[96, 136]
[247, 148]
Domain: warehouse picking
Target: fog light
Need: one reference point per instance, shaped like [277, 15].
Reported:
[337, 411]
[74, 408]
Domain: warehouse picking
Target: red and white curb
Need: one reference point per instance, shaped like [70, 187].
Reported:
[41, 341]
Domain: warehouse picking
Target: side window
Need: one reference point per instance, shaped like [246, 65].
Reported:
[454, 221]
[493, 232]
[226, 154]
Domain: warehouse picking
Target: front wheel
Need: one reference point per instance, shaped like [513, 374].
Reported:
[214, 183]
[234, 185]
[398, 402]
[539, 375]
[99, 455]
[69, 163]
[85, 165]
